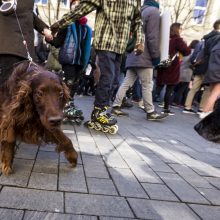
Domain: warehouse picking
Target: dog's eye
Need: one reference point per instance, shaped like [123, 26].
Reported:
[39, 93]
[61, 94]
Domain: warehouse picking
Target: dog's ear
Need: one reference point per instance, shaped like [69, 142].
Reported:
[66, 93]
[21, 106]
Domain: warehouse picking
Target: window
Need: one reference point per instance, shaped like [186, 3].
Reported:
[44, 2]
[199, 11]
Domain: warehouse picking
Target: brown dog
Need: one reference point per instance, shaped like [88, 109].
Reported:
[31, 110]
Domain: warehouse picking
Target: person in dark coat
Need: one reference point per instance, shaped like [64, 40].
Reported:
[170, 76]
[12, 48]
[212, 76]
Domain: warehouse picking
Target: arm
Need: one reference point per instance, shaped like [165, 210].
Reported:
[58, 41]
[137, 24]
[152, 33]
[84, 8]
[39, 25]
[182, 47]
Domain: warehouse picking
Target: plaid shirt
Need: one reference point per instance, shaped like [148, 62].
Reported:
[115, 19]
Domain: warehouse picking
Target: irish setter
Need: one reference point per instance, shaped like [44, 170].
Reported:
[31, 110]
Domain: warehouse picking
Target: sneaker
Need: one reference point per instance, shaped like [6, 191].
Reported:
[174, 105]
[199, 112]
[126, 104]
[161, 104]
[154, 116]
[167, 112]
[204, 114]
[188, 111]
[116, 110]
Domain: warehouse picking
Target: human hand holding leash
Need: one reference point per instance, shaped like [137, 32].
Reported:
[139, 49]
[48, 34]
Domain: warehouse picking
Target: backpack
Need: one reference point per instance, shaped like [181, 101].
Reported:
[68, 51]
[199, 59]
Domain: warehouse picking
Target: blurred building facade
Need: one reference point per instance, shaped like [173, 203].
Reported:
[197, 16]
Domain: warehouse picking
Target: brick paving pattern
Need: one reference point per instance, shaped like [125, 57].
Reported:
[149, 170]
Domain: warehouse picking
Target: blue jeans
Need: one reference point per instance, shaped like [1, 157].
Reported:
[109, 64]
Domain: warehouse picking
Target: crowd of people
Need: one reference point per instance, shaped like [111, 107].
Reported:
[120, 65]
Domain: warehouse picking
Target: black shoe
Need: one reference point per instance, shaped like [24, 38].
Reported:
[116, 110]
[126, 104]
[167, 112]
[154, 116]
[188, 111]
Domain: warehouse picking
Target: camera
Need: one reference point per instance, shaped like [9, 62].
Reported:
[8, 7]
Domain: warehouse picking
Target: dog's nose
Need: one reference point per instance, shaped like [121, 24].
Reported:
[55, 121]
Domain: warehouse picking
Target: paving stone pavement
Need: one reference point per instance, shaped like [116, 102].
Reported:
[148, 170]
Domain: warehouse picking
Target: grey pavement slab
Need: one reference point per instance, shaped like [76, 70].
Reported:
[207, 212]
[21, 173]
[26, 151]
[43, 181]
[182, 189]
[97, 205]
[144, 173]
[159, 192]
[31, 199]
[113, 218]
[214, 181]
[127, 184]
[191, 176]
[94, 166]
[31, 215]
[213, 195]
[101, 186]
[158, 210]
[8, 214]
[72, 179]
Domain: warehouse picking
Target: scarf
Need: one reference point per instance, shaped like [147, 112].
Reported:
[151, 3]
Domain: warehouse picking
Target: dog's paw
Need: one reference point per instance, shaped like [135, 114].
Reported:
[71, 156]
[6, 170]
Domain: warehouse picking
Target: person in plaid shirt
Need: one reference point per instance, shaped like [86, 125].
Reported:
[115, 20]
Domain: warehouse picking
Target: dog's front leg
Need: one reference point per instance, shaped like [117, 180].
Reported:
[65, 144]
[7, 151]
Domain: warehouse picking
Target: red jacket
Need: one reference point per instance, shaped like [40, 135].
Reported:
[170, 75]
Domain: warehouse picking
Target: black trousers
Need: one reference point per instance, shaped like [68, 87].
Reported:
[72, 74]
[168, 94]
[7, 64]
[109, 64]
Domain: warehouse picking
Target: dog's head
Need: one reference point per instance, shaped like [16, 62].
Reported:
[209, 127]
[39, 93]
[49, 97]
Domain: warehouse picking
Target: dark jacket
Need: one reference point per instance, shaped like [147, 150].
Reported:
[170, 75]
[213, 71]
[10, 35]
[151, 27]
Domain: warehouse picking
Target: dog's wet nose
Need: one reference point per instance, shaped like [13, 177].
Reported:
[55, 121]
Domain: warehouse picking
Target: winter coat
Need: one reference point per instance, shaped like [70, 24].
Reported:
[170, 75]
[10, 35]
[213, 72]
[151, 27]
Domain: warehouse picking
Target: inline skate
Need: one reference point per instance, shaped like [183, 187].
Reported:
[72, 115]
[102, 121]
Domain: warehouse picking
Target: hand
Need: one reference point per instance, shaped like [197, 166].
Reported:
[48, 34]
[54, 28]
[139, 49]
